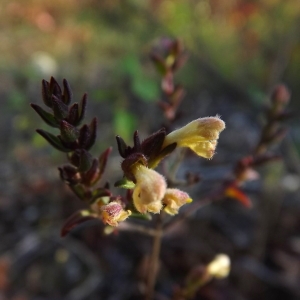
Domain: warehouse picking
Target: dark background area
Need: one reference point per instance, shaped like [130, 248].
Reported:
[237, 51]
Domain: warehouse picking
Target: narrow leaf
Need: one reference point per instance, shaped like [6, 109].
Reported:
[53, 140]
[125, 184]
[93, 134]
[136, 142]
[77, 218]
[67, 94]
[92, 175]
[47, 117]
[55, 88]
[82, 108]
[152, 145]
[60, 109]
[122, 147]
[46, 94]
[86, 161]
[103, 159]
[73, 114]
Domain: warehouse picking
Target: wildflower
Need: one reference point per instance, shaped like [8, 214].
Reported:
[113, 212]
[149, 190]
[219, 267]
[174, 199]
[200, 135]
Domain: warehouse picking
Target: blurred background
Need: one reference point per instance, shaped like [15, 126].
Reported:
[237, 50]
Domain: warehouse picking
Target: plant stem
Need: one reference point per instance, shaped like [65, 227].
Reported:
[154, 259]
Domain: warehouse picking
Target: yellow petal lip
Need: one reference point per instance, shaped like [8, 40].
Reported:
[174, 199]
[200, 135]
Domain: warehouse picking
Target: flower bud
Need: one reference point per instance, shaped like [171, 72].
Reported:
[219, 267]
[113, 212]
[200, 135]
[174, 199]
[149, 190]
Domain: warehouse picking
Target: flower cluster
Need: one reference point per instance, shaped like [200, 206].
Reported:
[150, 192]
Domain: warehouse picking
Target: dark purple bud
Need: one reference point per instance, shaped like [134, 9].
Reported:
[82, 108]
[46, 94]
[88, 134]
[84, 136]
[85, 161]
[136, 142]
[165, 152]
[47, 117]
[59, 108]
[103, 159]
[151, 146]
[55, 88]
[93, 134]
[74, 158]
[122, 147]
[92, 175]
[53, 140]
[67, 94]
[69, 174]
[73, 114]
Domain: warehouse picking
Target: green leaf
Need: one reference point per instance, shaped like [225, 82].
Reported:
[125, 184]
[141, 216]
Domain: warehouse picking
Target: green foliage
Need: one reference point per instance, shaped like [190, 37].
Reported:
[142, 85]
[124, 123]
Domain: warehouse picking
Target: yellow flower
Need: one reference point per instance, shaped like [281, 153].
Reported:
[174, 199]
[149, 190]
[219, 267]
[113, 212]
[200, 135]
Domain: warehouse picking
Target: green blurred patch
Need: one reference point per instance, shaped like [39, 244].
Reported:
[124, 123]
[142, 84]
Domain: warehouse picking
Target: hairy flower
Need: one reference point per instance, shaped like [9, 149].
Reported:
[174, 199]
[200, 135]
[149, 190]
[113, 212]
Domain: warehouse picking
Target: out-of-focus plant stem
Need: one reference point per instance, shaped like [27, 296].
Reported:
[154, 259]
